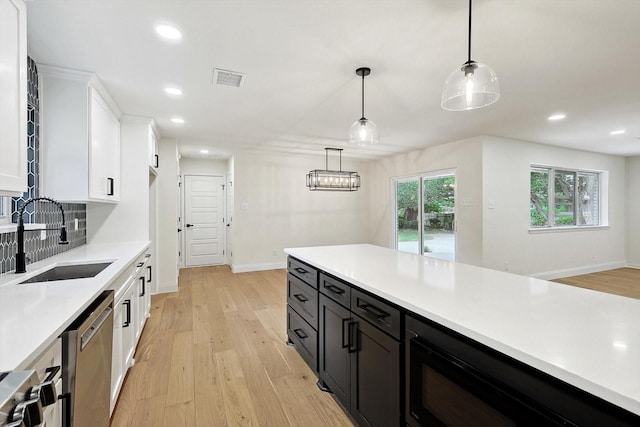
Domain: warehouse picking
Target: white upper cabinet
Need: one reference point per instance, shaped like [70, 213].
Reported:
[80, 142]
[13, 98]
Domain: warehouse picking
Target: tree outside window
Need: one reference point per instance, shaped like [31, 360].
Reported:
[574, 201]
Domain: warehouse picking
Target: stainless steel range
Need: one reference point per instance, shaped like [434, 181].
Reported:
[23, 396]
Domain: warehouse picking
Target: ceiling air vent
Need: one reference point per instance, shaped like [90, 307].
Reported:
[228, 78]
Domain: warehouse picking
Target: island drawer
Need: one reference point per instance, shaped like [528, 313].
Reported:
[379, 313]
[303, 298]
[303, 271]
[304, 337]
[335, 289]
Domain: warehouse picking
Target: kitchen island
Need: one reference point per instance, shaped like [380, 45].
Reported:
[587, 339]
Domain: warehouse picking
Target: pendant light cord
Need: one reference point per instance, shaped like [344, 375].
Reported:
[362, 97]
[469, 45]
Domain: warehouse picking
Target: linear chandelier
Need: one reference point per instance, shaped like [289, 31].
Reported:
[332, 180]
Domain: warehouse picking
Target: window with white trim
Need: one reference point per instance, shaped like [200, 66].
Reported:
[561, 197]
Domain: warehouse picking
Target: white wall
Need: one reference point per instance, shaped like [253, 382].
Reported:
[506, 236]
[463, 156]
[128, 220]
[192, 166]
[168, 208]
[274, 209]
[633, 211]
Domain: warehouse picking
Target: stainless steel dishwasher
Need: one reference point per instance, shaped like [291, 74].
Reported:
[86, 360]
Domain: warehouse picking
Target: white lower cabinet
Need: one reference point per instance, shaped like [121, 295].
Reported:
[123, 340]
[143, 304]
[131, 311]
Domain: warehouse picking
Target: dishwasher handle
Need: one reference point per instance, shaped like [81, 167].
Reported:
[91, 331]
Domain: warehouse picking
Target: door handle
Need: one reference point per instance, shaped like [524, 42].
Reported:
[189, 225]
[300, 333]
[353, 337]
[179, 230]
[127, 322]
[143, 280]
[301, 297]
[347, 322]
[334, 289]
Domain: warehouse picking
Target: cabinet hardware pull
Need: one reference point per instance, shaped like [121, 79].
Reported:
[301, 270]
[51, 371]
[300, 333]
[373, 310]
[353, 337]
[149, 279]
[334, 289]
[301, 297]
[345, 344]
[110, 180]
[142, 279]
[157, 159]
[127, 322]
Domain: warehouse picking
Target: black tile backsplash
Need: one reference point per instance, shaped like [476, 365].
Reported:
[42, 213]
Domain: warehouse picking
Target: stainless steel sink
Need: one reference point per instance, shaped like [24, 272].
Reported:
[68, 272]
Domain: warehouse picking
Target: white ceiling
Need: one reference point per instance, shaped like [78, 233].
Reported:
[301, 94]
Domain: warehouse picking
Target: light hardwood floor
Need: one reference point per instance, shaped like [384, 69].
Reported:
[620, 281]
[214, 354]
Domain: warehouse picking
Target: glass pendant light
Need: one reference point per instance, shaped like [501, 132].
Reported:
[474, 85]
[363, 132]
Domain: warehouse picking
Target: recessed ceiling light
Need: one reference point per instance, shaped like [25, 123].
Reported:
[618, 132]
[178, 120]
[168, 32]
[557, 116]
[170, 90]
[204, 151]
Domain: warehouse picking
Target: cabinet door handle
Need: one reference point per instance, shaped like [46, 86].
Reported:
[127, 322]
[373, 310]
[301, 297]
[157, 160]
[353, 337]
[149, 279]
[301, 270]
[142, 279]
[300, 333]
[110, 181]
[345, 343]
[334, 289]
[51, 372]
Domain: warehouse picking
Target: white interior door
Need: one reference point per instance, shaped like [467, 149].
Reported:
[204, 220]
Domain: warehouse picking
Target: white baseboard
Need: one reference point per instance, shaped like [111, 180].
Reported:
[165, 288]
[258, 267]
[633, 265]
[594, 268]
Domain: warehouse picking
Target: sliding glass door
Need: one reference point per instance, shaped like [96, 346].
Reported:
[425, 215]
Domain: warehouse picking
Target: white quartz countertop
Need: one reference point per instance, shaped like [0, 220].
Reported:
[586, 338]
[32, 315]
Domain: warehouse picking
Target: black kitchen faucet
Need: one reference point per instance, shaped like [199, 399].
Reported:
[21, 260]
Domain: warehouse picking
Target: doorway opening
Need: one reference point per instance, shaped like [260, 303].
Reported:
[425, 214]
